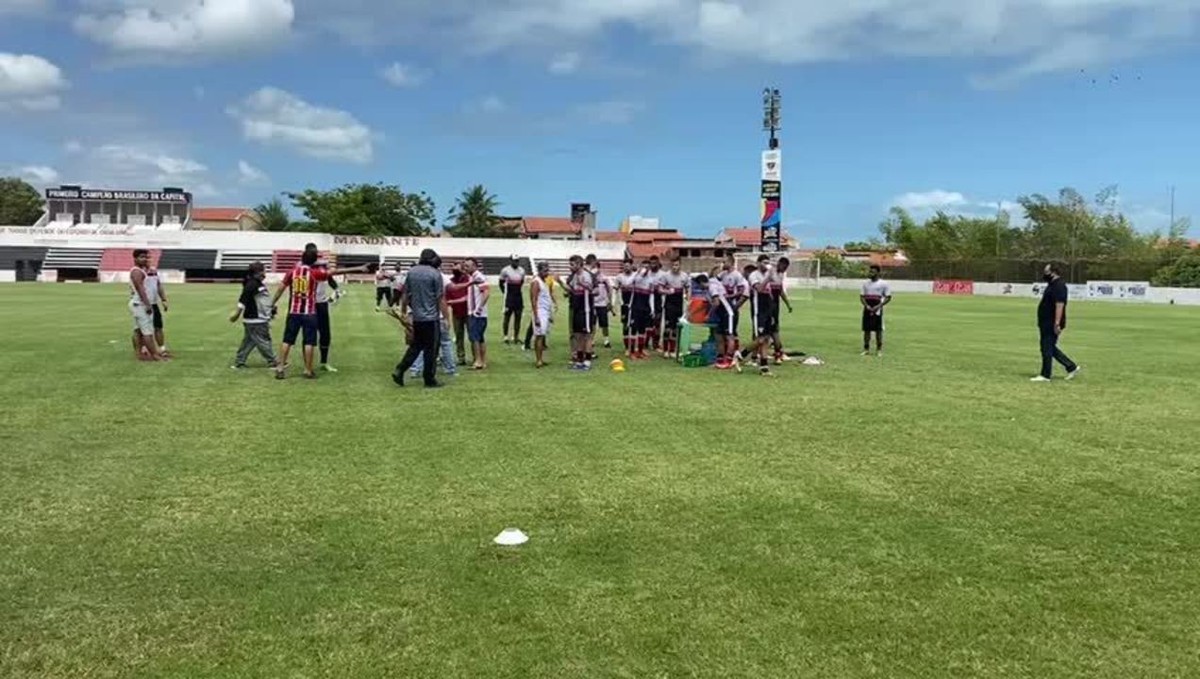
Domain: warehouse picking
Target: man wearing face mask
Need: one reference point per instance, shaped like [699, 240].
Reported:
[1052, 321]
[876, 294]
[255, 310]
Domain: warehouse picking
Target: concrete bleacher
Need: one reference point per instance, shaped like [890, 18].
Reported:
[121, 259]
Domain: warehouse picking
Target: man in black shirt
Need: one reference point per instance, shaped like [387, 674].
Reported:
[1052, 321]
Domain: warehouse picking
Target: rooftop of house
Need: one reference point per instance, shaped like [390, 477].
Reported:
[219, 214]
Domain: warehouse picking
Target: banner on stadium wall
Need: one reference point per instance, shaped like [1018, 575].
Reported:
[1075, 291]
[953, 287]
[1133, 291]
[772, 200]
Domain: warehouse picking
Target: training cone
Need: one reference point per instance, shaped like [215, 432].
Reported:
[617, 365]
[511, 537]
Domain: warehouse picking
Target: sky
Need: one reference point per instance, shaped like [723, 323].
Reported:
[639, 107]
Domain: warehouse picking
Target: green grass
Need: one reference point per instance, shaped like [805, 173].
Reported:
[926, 514]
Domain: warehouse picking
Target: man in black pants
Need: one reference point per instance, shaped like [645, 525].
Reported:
[424, 297]
[1052, 321]
[325, 291]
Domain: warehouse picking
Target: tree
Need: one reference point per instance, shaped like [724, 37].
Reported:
[20, 203]
[833, 266]
[869, 245]
[367, 210]
[474, 216]
[274, 216]
[1182, 273]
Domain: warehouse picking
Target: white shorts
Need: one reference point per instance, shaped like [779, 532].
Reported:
[143, 318]
[542, 327]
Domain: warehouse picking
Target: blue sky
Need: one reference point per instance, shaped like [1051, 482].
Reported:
[648, 107]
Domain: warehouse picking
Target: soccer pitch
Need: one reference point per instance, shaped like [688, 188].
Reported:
[929, 513]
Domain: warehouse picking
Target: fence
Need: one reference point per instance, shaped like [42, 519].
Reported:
[1008, 270]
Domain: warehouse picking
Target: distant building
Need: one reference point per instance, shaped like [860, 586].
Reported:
[225, 219]
[749, 240]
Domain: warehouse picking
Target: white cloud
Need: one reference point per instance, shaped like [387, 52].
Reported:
[250, 175]
[189, 27]
[29, 83]
[1023, 37]
[131, 165]
[38, 174]
[401, 75]
[491, 104]
[565, 63]
[273, 116]
[613, 112]
[937, 199]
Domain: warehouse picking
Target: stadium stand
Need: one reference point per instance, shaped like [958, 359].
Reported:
[184, 260]
[121, 259]
[73, 258]
[25, 262]
[240, 260]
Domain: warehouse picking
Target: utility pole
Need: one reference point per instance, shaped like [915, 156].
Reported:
[1172, 226]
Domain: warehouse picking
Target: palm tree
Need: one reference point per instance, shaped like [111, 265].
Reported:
[474, 216]
[274, 216]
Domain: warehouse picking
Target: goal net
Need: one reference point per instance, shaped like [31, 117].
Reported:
[802, 275]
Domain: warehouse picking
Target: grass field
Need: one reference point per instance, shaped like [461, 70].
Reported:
[929, 513]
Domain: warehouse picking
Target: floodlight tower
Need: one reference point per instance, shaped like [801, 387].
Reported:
[771, 193]
[771, 115]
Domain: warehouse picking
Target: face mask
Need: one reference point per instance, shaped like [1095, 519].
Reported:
[1047, 277]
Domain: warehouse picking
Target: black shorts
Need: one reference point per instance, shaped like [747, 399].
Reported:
[872, 322]
[764, 317]
[581, 314]
[639, 318]
[625, 316]
[301, 322]
[601, 314]
[513, 301]
[722, 321]
[672, 310]
[157, 314]
[766, 324]
[778, 300]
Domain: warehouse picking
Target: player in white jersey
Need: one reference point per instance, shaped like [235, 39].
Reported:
[737, 291]
[778, 282]
[158, 299]
[721, 317]
[762, 313]
[383, 286]
[579, 289]
[325, 291]
[143, 291]
[624, 285]
[541, 300]
[674, 286]
[512, 279]
[876, 294]
[602, 296]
